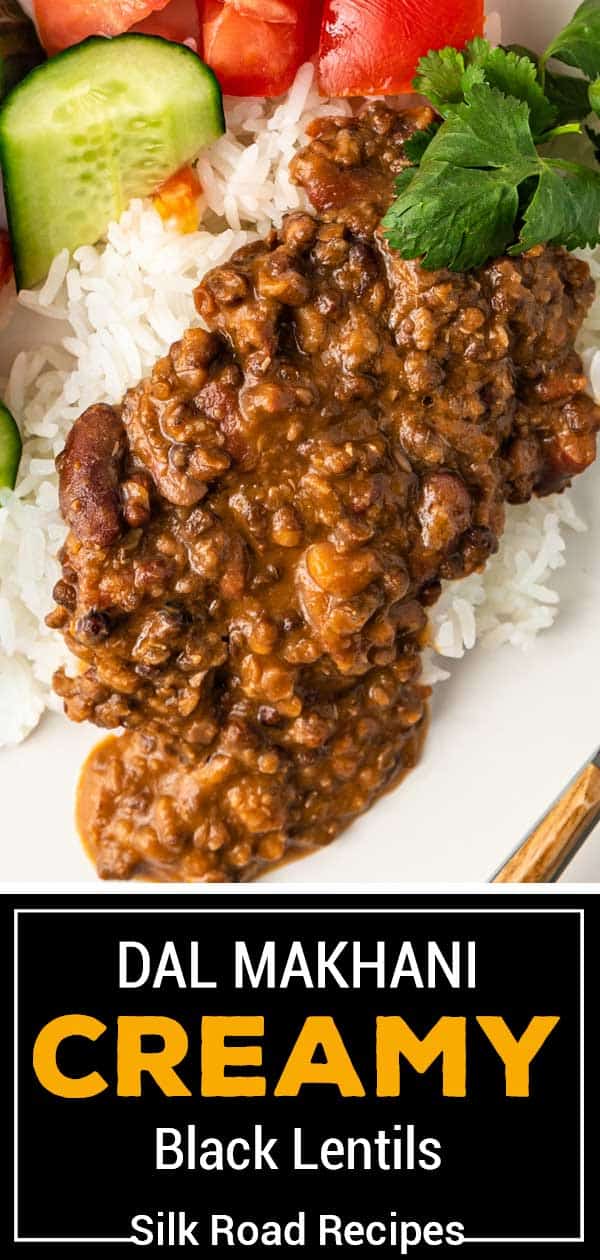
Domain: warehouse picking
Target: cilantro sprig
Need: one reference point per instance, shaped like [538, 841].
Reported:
[579, 43]
[446, 77]
[483, 180]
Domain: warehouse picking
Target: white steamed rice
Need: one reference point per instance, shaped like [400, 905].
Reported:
[100, 321]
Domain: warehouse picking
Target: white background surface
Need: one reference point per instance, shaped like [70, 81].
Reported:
[507, 733]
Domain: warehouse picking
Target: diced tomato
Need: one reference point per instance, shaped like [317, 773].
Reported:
[268, 10]
[177, 199]
[65, 22]
[254, 46]
[313, 28]
[370, 47]
[179, 22]
[5, 259]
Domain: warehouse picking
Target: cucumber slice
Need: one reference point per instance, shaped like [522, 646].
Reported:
[103, 122]
[10, 449]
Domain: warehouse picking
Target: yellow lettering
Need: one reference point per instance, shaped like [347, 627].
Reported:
[319, 1030]
[217, 1055]
[517, 1055]
[132, 1060]
[447, 1038]
[45, 1051]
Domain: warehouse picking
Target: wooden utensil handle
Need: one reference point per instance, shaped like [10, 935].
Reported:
[547, 850]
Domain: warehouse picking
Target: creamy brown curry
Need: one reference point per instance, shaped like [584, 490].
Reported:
[257, 532]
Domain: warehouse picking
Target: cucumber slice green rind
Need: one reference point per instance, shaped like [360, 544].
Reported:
[102, 122]
[10, 449]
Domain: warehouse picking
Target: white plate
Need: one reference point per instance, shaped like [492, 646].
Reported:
[507, 731]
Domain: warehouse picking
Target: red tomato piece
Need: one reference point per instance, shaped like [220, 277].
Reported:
[254, 46]
[371, 47]
[312, 32]
[5, 259]
[178, 22]
[268, 10]
[65, 22]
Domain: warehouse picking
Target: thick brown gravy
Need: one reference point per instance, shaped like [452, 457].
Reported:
[257, 532]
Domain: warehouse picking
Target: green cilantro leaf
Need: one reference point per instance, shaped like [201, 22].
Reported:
[594, 96]
[417, 144]
[446, 77]
[569, 96]
[487, 179]
[439, 77]
[478, 50]
[486, 130]
[565, 208]
[594, 137]
[451, 216]
[516, 75]
[522, 51]
[462, 204]
[473, 74]
[579, 43]
[404, 179]
[482, 185]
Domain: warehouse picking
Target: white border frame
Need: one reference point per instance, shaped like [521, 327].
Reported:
[215, 909]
